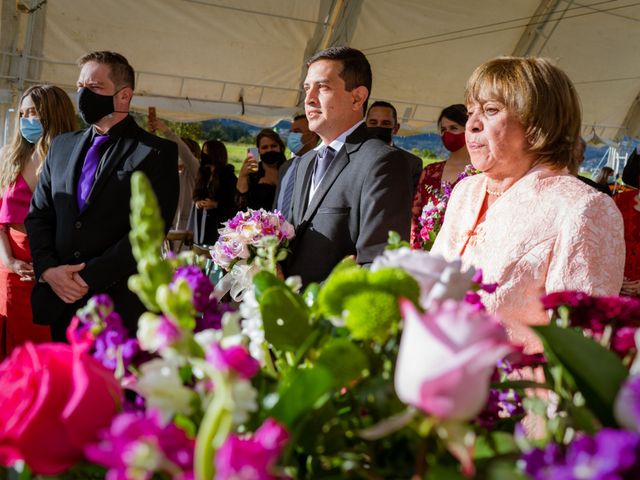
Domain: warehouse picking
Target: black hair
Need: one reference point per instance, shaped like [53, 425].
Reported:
[383, 104]
[356, 70]
[456, 113]
[631, 170]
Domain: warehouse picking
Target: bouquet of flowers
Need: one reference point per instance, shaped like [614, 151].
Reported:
[395, 371]
[432, 215]
[250, 241]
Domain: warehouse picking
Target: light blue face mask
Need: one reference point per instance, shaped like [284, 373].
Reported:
[294, 142]
[31, 129]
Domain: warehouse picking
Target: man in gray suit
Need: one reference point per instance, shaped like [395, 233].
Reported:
[353, 188]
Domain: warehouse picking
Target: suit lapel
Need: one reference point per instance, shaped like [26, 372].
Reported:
[352, 144]
[332, 173]
[302, 185]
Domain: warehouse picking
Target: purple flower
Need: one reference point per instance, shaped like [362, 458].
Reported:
[501, 404]
[212, 315]
[235, 358]
[199, 283]
[253, 457]
[139, 445]
[627, 404]
[610, 454]
[538, 461]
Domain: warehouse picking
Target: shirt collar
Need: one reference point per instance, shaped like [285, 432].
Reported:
[120, 129]
[341, 139]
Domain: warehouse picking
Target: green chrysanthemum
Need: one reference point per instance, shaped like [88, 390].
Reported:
[372, 315]
[397, 282]
[340, 285]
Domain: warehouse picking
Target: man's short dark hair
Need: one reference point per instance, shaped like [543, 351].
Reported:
[299, 116]
[121, 75]
[356, 70]
[383, 104]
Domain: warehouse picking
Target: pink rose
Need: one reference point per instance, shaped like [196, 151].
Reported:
[53, 401]
[446, 359]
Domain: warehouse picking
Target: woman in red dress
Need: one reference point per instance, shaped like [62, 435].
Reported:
[629, 204]
[45, 111]
[451, 122]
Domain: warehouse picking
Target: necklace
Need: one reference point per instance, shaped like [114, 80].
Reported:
[494, 193]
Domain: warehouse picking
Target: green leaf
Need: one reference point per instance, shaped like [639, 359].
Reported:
[263, 281]
[495, 443]
[597, 372]
[285, 318]
[394, 241]
[306, 391]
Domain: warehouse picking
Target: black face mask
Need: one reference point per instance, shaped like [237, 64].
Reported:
[271, 158]
[383, 133]
[92, 106]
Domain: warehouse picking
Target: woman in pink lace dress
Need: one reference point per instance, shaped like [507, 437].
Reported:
[45, 111]
[451, 123]
[525, 221]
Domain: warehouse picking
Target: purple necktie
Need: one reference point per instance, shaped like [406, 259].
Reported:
[87, 176]
[323, 160]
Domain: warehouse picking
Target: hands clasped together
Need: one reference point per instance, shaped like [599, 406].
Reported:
[66, 282]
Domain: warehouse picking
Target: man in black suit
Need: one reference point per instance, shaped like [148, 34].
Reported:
[382, 121]
[353, 188]
[78, 224]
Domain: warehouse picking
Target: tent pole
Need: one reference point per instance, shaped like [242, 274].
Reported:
[26, 52]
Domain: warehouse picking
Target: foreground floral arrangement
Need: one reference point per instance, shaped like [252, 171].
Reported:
[390, 372]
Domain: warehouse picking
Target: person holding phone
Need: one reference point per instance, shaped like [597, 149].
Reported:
[258, 179]
[213, 194]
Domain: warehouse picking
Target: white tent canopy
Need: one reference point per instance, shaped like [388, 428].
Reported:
[244, 59]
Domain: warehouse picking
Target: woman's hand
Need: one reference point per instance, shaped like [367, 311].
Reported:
[207, 204]
[23, 269]
[249, 165]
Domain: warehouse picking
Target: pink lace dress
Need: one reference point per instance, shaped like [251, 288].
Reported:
[549, 232]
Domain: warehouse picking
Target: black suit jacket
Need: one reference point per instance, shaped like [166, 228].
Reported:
[60, 234]
[366, 191]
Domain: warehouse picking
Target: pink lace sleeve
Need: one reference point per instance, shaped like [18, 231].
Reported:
[589, 253]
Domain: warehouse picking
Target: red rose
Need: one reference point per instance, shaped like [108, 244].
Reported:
[53, 401]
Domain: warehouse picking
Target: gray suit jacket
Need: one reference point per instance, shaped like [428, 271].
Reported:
[366, 191]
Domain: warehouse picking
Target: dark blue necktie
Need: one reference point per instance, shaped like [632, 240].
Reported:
[87, 176]
[323, 160]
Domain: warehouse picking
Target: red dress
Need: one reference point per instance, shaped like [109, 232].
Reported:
[626, 202]
[431, 177]
[16, 323]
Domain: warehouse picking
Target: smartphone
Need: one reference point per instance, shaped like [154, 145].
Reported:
[253, 152]
[152, 117]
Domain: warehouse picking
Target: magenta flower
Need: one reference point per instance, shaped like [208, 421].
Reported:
[253, 457]
[236, 359]
[138, 446]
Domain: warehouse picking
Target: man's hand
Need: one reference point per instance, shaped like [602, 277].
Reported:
[62, 281]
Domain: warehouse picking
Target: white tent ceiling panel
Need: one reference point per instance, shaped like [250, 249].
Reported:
[195, 59]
